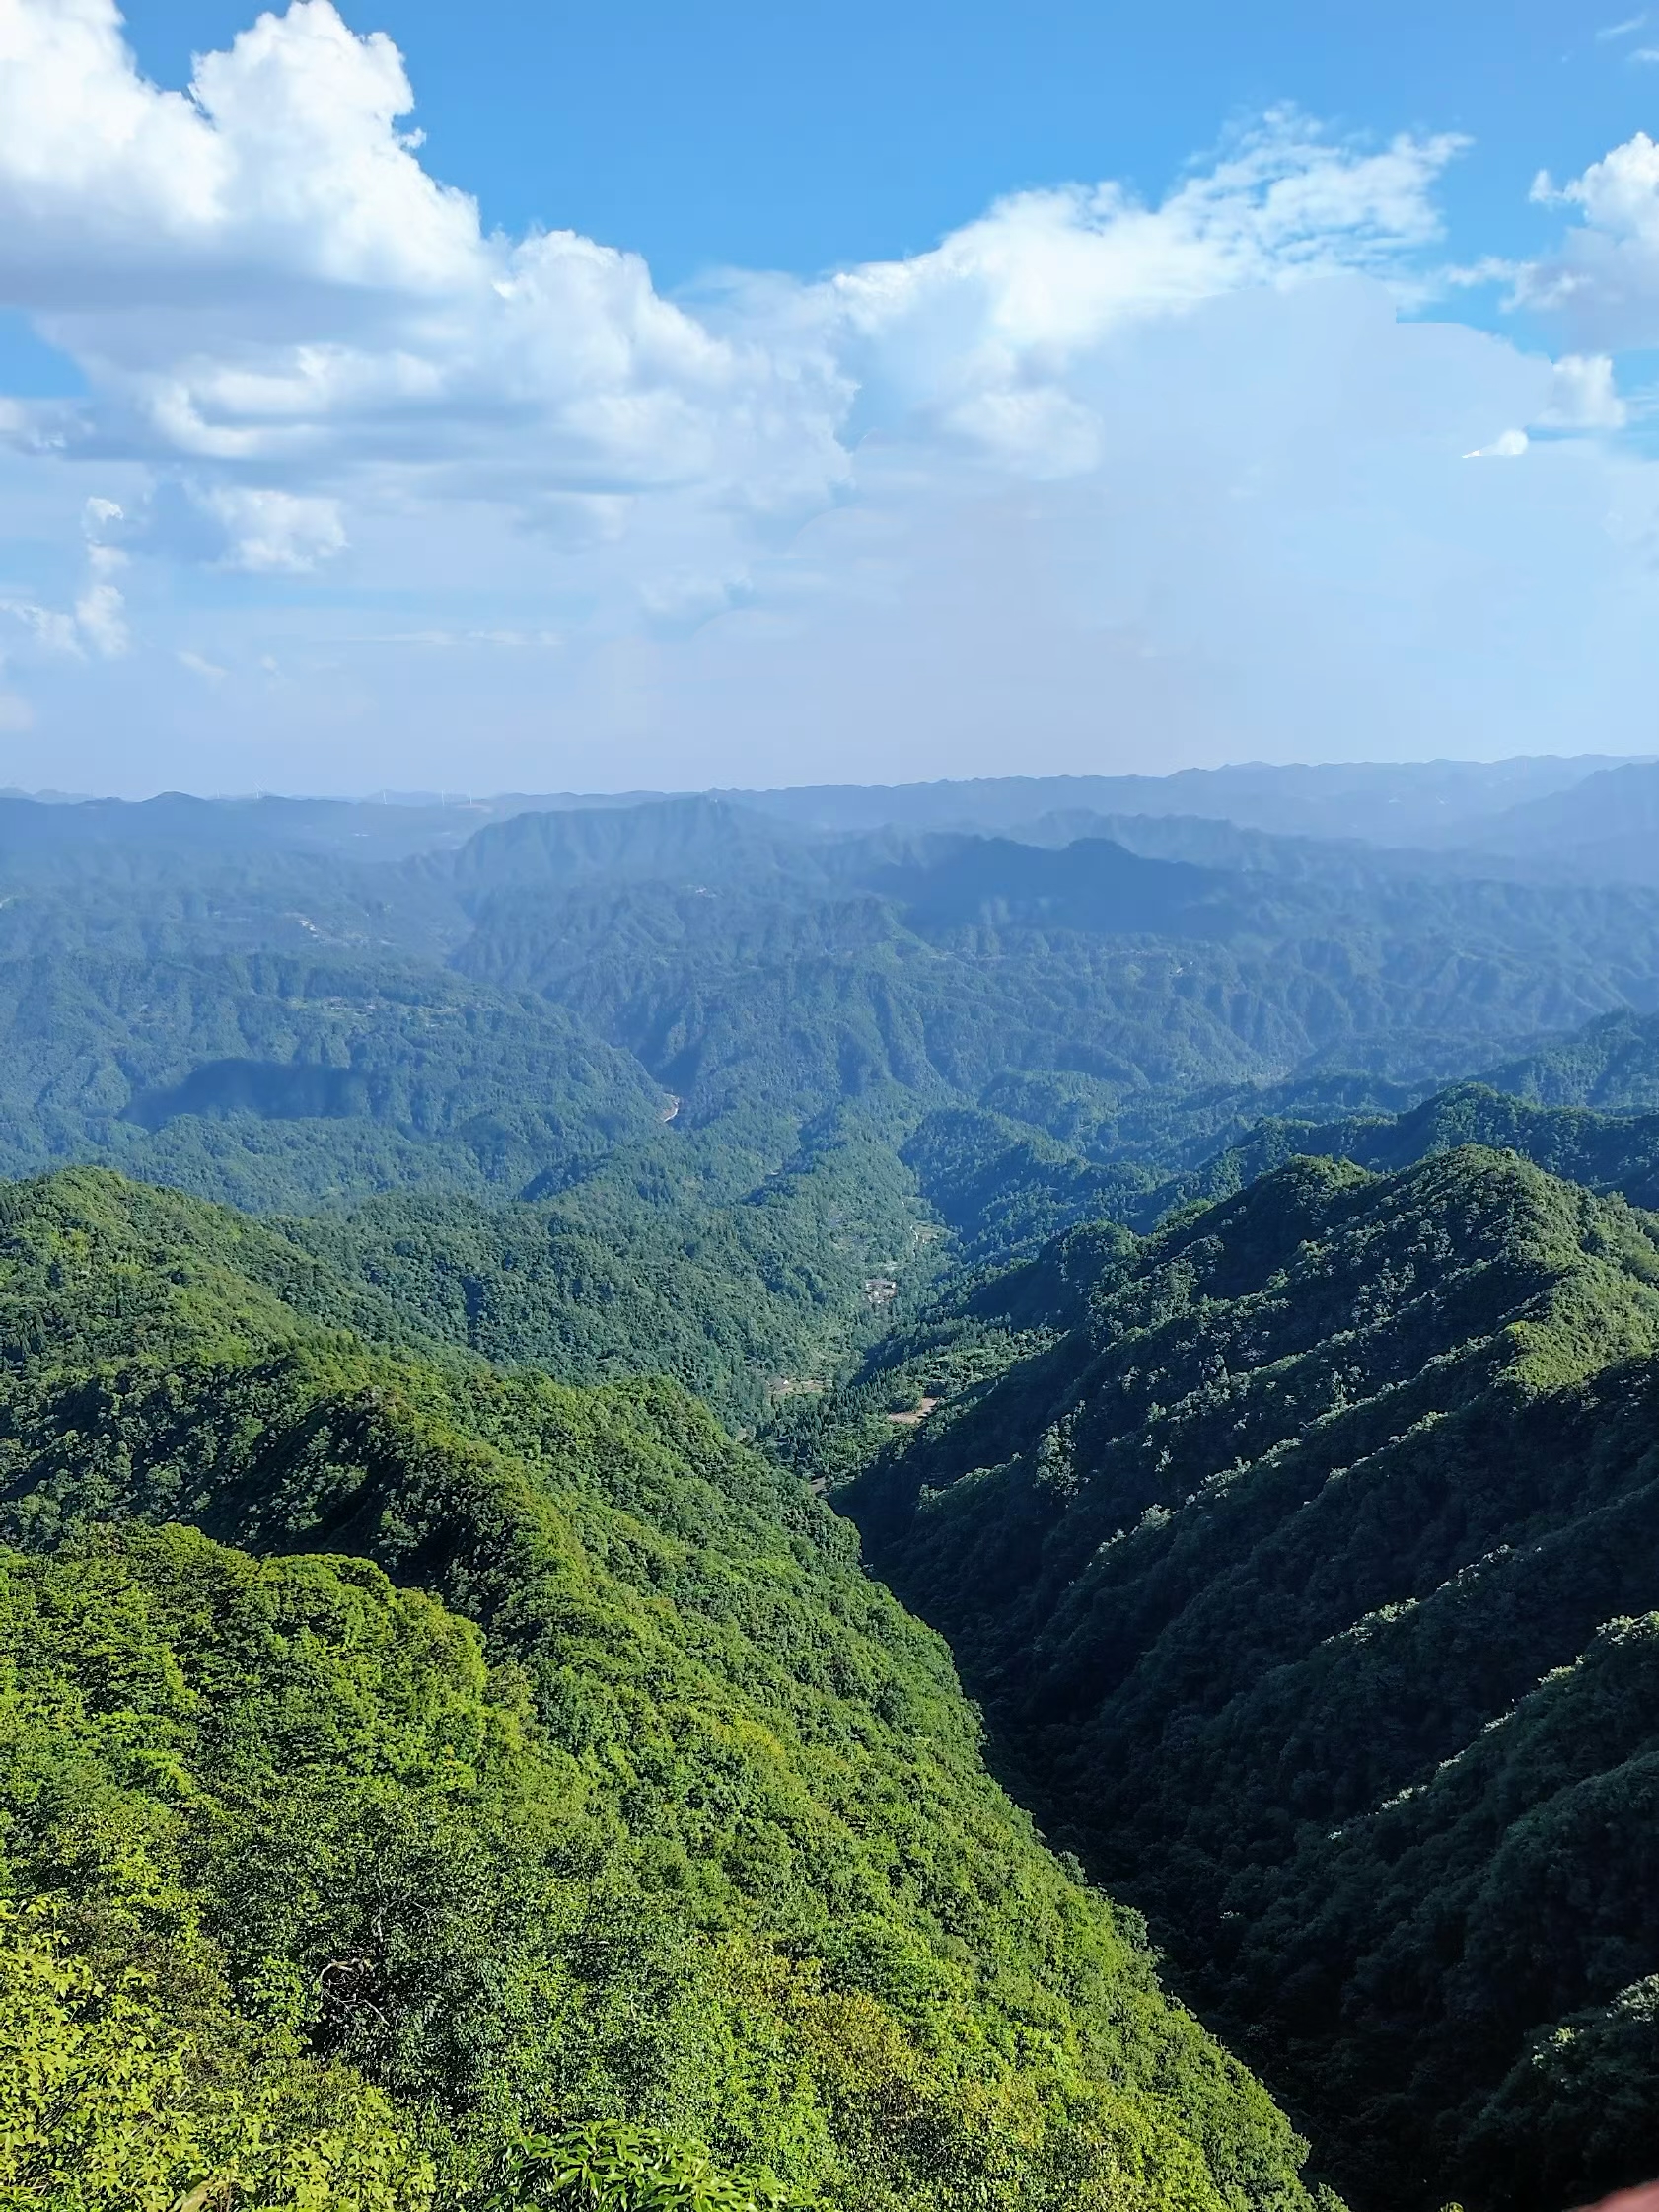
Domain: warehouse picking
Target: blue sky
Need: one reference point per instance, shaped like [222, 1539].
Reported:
[802, 135]
[901, 390]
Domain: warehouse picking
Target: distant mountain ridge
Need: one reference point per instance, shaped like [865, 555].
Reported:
[1602, 829]
[1415, 803]
[745, 966]
[1601, 1151]
[1426, 802]
[1584, 1107]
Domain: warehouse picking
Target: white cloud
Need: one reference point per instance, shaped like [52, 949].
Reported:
[282, 158]
[1584, 395]
[982, 338]
[1124, 423]
[261, 275]
[1604, 279]
[272, 533]
[1508, 445]
[261, 278]
[98, 619]
[1621, 30]
[100, 610]
[52, 630]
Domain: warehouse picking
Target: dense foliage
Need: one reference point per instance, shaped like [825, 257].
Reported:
[1603, 1151]
[982, 956]
[627, 1797]
[270, 1022]
[681, 1089]
[1061, 1151]
[270, 1079]
[422, 1783]
[644, 1268]
[1305, 1559]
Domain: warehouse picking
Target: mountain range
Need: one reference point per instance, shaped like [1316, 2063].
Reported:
[828, 1501]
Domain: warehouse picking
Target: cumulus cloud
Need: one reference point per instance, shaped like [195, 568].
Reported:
[282, 160]
[1604, 279]
[1584, 395]
[100, 610]
[261, 275]
[272, 533]
[983, 337]
[261, 282]
[51, 629]
[1127, 420]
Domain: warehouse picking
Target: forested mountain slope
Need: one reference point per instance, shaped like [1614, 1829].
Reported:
[1603, 1151]
[1061, 1149]
[982, 955]
[294, 1079]
[282, 1025]
[644, 1021]
[693, 1259]
[1610, 1065]
[875, 956]
[1581, 1107]
[1307, 1560]
[626, 1798]
[485, 1754]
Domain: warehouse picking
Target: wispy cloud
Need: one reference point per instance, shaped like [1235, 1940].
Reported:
[1509, 446]
[1625, 29]
[97, 622]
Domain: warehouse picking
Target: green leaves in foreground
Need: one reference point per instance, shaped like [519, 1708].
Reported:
[612, 2167]
[104, 2104]
[113, 2098]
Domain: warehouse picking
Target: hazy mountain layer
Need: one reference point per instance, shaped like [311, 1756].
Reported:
[1419, 802]
[1602, 829]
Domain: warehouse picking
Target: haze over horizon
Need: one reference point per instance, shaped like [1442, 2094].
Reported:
[1096, 401]
[1530, 774]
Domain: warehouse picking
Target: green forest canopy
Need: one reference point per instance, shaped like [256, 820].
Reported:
[684, 1091]
[628, 1796]
[1304, 1559]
